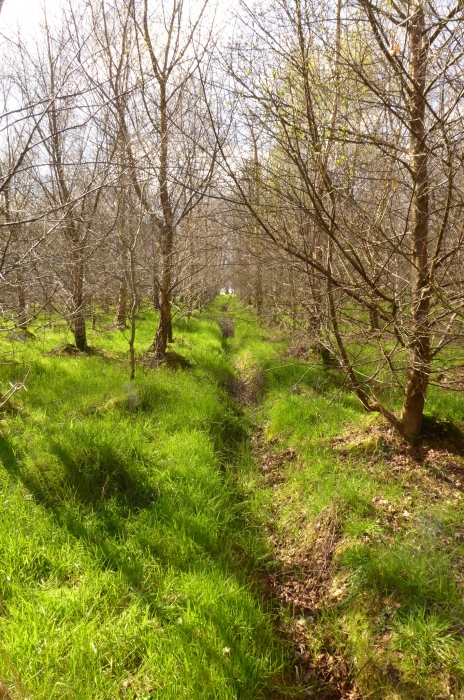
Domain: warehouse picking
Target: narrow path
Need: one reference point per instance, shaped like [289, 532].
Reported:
[297, 582]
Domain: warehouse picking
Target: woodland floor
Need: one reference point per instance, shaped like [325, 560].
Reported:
[228, 526]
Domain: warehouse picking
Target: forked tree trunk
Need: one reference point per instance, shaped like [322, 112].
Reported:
[164, 331]
[258, 291]
[410, 421]
[71, 230]
[121, 314]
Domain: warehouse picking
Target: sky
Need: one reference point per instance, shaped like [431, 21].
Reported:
[25, 13]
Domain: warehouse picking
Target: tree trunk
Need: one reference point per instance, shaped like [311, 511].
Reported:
[94, 316]
[22, 303]
[80, 336]
[410, 421]
[259, 289]
[133, 307]
[293, 302]
[373, 318]
[121, 316]
[164, 331]
[156, 294]
[78, 323]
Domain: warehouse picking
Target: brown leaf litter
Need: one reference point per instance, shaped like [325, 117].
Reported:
[303, 580]
[246, 388]
[305, 577]
[434, 467]
[451, 378]
[4, 692]
[271, 463]
[301, 350]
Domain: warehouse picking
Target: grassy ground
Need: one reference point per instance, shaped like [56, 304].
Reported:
[127, 551]
[367, 534]
[151, 531]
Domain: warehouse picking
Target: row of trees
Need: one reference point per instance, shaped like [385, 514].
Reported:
[310, 157]
[107, 163]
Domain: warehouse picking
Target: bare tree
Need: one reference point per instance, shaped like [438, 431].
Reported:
[169, 164]
[349, 141]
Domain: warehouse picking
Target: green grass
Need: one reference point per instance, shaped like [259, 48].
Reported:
[128, 555]
[399, 624]
[135, 524]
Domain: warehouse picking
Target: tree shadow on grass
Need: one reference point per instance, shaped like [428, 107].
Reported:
[105, 525]
[112, 499]
[104, 475]
[113, 494]
[444, 433]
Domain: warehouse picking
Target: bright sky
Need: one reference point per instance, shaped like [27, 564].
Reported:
[28, 13]
[25, 13]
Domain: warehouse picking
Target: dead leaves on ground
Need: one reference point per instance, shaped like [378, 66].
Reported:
[246, 388]
[304, 581]
[306, 577]
[434, 467]
[4, 692]
[271, 463]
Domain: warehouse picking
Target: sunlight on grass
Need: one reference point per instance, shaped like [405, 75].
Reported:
[135, 536]
[125, 552]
